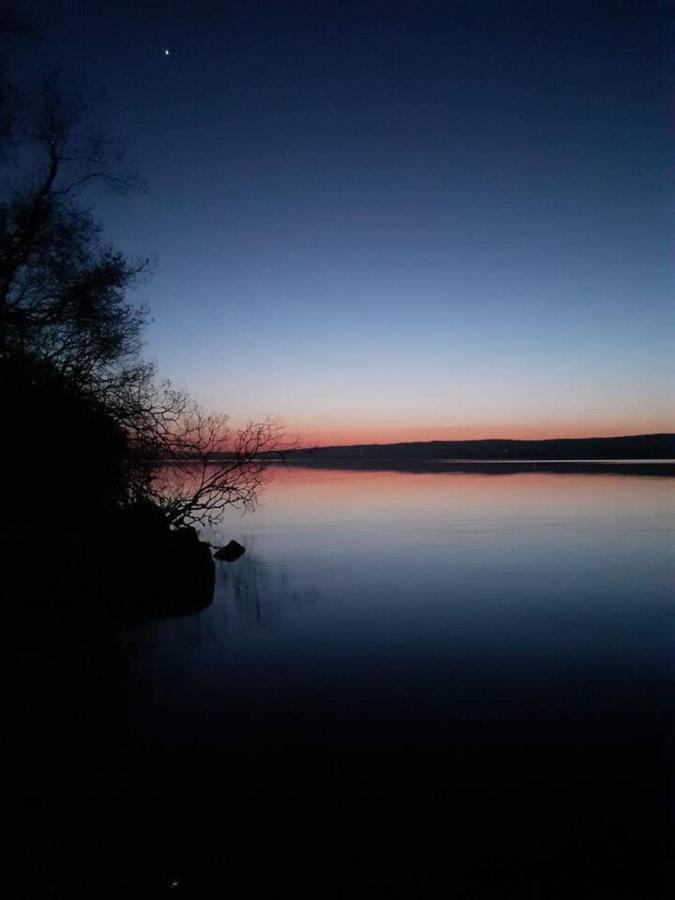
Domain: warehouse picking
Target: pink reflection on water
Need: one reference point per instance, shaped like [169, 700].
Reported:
[352, 494]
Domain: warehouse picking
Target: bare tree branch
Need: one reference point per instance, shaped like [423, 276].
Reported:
[64, 311]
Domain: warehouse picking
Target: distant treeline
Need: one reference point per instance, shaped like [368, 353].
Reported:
[642, 446]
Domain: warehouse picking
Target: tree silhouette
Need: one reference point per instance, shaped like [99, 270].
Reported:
[67, 329]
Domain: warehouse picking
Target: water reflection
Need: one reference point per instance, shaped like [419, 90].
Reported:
[257, 593]
[500, 647]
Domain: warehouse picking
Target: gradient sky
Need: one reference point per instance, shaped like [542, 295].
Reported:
[389, 221]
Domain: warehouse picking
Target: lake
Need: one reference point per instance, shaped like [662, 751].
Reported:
[489, 652]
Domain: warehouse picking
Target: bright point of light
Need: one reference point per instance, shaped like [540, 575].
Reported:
[166, 52]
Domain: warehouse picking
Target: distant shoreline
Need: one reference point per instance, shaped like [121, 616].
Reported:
[648, 467]
[647, 454]
[633, 448]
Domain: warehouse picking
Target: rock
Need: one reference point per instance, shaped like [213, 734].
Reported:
[230, 552]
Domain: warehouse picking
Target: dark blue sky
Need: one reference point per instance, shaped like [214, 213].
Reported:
[380, 220]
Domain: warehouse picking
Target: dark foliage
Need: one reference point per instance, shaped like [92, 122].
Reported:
[64, 454]
[90, 426]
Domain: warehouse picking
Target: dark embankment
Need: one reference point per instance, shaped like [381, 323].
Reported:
[77, 552]
[124, 566]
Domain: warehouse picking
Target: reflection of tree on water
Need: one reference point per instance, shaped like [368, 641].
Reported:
[260, 594]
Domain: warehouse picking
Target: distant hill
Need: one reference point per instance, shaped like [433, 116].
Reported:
[634, 447]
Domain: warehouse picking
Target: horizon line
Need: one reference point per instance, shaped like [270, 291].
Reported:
[655, 434]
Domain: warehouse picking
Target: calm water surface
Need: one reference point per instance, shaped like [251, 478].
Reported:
[412, 632]
[495, 647]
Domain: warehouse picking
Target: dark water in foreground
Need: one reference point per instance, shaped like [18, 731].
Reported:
[411, 685]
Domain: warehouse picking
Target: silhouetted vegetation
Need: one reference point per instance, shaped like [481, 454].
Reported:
[89, 427]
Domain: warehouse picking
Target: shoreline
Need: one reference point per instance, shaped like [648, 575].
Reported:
[648, 467]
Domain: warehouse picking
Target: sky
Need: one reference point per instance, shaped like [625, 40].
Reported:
[382, 221]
